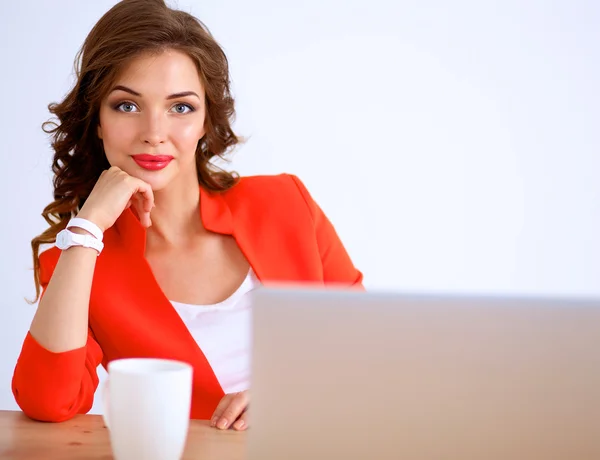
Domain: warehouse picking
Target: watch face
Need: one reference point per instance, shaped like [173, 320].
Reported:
[61, 240]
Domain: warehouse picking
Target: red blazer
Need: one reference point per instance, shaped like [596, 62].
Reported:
[282, 232]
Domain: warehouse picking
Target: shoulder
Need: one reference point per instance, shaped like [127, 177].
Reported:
[274, 198]
[281, 189]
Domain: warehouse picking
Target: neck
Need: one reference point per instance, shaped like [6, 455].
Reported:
[176, 216]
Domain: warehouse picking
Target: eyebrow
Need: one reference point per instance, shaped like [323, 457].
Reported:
[170, 96]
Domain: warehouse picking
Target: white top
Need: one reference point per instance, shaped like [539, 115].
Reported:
[222, 331]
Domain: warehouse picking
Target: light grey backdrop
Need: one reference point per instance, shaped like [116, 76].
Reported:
[455, 145]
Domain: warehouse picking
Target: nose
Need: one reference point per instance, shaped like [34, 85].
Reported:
[153, 130]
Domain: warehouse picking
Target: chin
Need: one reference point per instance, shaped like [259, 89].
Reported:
[158, 180]
[157, 186]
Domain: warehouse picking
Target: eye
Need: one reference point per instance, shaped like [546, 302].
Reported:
[182, 108]
[126, 107]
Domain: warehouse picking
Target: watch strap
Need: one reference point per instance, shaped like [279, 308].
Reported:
[86, 225]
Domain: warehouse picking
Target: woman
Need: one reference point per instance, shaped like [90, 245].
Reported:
[160, 237]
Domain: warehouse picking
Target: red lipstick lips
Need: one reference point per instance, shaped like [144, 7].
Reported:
[152, 162]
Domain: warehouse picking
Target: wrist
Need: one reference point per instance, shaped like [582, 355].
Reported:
[66, 239]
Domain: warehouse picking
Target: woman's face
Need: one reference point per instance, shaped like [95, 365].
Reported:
[152, 119]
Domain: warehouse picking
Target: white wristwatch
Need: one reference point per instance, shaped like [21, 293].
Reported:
[67, 239]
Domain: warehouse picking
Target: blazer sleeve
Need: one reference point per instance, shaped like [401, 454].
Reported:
[337, 265]
[53, 387]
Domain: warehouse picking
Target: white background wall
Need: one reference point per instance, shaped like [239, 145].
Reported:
[455, 145]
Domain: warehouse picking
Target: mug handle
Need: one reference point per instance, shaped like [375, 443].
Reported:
[105, 405]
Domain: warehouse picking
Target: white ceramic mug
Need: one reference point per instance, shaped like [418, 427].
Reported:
[147, 408]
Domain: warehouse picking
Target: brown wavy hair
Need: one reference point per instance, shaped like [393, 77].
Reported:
[130, 28]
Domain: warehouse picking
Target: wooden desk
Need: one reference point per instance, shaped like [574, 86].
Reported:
[86, 437]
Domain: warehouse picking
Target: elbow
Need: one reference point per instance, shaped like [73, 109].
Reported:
[44, 411]
[45, 408]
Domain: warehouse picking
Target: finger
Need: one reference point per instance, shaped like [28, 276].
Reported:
[139, 203]
[241, 423]
[220, 409]
[233, 410]
[147, 196]
[144, 217]
[141, 214]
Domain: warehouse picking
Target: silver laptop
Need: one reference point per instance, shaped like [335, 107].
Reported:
[347, 375]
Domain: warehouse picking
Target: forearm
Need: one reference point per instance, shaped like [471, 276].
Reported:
[61, 321]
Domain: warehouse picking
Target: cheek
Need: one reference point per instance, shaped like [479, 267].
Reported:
[117, 131]
[117, 134]
[188, 135]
